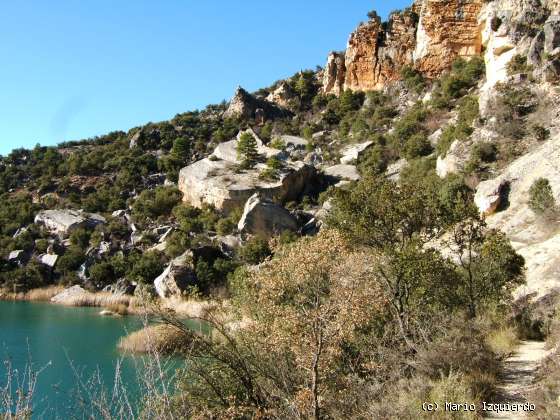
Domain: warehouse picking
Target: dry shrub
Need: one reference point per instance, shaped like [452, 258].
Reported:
[404, 400]
[118, 308]
[43, 294]
[502, 341]
[461, 349]
[102, 299]
[160, 338]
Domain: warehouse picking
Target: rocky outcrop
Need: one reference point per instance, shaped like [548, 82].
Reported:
[352, 152]
[227, 151]
[265, 218]
[507, 31]
[178, 275]
[536, 240]
[374, 55]
[447, 29]
[219, 184]
[218, 181]
[63, 222]
[282, 95]
[245, 105]
[429, 36]
[68, 295]
[334, 73]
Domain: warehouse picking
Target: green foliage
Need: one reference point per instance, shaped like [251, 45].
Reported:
[489, 267]
[541, 198]
[152, 204]
[413, 79]
[464, 75]
[71, 261]
[481, 153]
[102, 274]
[468, 112]
[80, 238]
[247, 150]
[255, 251]
[417, 146]
[146, 268]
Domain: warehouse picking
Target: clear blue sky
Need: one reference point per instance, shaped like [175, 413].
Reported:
[75, 69]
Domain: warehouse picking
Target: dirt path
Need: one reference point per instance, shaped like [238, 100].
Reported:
[519, 372]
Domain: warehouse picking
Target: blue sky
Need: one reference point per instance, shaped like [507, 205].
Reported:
[75, 69]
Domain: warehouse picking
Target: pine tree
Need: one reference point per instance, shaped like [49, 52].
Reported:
[181, 148]
[247, 150]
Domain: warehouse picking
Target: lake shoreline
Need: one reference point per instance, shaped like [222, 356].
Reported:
[114, 304]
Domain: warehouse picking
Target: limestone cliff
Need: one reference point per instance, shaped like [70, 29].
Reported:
[427, 36]
[447, 29]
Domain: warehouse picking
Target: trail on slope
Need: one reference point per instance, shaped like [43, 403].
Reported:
[518, 375]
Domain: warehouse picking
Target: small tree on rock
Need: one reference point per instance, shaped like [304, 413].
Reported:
[247, 150]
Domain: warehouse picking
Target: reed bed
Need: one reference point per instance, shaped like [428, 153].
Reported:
[160, 338]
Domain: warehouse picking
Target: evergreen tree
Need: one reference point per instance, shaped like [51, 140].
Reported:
[247, 150]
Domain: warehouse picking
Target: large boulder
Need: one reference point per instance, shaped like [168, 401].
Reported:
[265, 218]
[218, 183]
[63, 222]
[177, 276]
[69, 295]
[352, 152]
[343, 172]
[490, 195]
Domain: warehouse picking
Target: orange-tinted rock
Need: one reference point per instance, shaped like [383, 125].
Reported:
[429, 36]
[448, 29]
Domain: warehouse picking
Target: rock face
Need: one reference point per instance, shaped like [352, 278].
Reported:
[428, 36]
[216, 181]
[447, 29]
[334, 73]
[265, 218]
[63, 222]
[505, 30]
[536, 240]
[245, 105]
[282, 95]
[176, 277]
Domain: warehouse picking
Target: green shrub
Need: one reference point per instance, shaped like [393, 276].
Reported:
[413, 79]
[255, 251]
[277, 143]
[417, 146]
[152, 204]
[147, 268]
[541, 199]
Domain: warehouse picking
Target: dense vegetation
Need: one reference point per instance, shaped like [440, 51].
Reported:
[403, 296]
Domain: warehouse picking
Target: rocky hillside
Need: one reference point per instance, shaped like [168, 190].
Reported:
[465, 88]
[391, 218]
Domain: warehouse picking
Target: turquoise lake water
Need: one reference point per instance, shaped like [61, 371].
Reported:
[56, 338]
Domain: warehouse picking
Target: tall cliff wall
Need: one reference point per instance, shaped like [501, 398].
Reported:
[428, 36]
